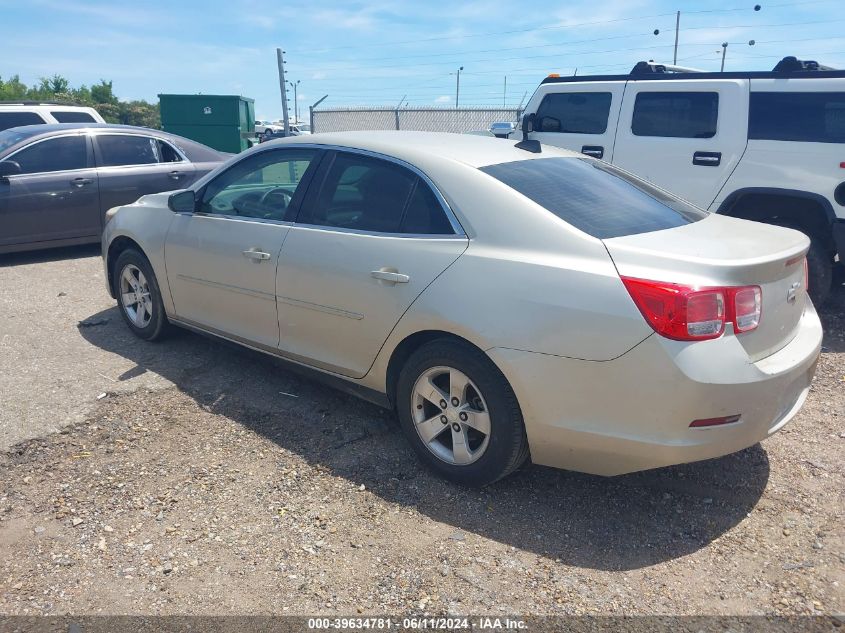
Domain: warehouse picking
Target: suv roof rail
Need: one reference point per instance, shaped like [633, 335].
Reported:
[791, 64]
[651, 67]
[42, 103]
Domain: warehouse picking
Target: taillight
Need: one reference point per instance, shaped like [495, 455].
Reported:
[748, 305]
[688, 313]
[806, 276]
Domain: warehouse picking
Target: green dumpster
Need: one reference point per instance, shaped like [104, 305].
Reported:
[223, 122]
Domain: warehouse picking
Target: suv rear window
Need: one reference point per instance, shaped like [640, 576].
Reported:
[14, 119]
[595, 197]
[811, 117]
[676, 114]
[574, 112]
[69, 116]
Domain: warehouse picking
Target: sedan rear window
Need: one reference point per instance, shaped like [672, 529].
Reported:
[595, 197]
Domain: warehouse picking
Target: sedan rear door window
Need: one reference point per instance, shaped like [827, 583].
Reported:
[363, 193]
[124, 149]
[595, 197]
[56, 154]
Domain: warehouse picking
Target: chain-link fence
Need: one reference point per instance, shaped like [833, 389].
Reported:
[428, 119]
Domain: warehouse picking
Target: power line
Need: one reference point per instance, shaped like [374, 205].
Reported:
[546, 28]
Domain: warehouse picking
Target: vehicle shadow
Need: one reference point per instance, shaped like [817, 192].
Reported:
[617, 523]
[49, 255]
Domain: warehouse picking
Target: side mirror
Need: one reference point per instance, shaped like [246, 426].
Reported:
[527, 144]
[182, 201]
[9, 168]
[502, 129]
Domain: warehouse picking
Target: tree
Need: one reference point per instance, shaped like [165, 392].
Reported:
[102, 92]
[99, 96]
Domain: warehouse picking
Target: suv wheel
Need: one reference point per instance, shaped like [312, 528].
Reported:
[460, 414]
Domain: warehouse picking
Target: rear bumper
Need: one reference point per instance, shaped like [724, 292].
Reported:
[633, 413]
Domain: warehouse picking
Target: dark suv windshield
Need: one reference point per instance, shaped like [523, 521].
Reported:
[595, 197]
[12, 137]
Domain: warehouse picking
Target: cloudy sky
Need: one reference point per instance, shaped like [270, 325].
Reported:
[374, 52]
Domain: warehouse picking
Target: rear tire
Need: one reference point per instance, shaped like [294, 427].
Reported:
[138, 296]
[820, 272]
[483, 437]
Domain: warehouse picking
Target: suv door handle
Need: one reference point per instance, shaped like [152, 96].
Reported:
[176, 175]
[81, 182]
[596, 151]
[386, 275]
[256, 255]
[707, 159]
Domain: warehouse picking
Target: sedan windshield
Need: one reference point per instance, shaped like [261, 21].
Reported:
[595, 197]
[13, 137]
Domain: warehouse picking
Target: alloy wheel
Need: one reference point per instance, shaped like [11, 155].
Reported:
[135, 296]
[450, 415]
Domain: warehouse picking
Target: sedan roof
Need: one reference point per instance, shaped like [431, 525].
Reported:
[196, 152]
[412, 147]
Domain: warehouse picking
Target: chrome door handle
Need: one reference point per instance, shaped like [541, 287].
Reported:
[81, 182]
[707, 159]
[385, 275]
[176, 175]
[256, 255]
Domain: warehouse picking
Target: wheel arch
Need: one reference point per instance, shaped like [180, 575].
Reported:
[119, 244]
[406, 347]
[810, 212]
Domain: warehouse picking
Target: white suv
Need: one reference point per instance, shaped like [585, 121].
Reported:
[766, 146]
[15, 114]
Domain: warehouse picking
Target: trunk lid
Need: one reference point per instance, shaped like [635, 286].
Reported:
[723, 251]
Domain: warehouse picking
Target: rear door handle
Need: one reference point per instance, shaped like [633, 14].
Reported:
[596, 151]
[176, 175]
[81, 182]
[385, 275]
[256, 255]
[707, 159]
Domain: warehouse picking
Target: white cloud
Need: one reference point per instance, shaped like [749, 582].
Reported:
[443, 99]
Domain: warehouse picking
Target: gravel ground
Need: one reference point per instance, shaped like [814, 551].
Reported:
[210, 480]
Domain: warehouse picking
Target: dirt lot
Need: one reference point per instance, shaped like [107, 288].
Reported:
[210, 480]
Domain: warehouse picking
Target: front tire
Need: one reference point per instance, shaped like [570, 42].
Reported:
[138, 296]
[460, 414]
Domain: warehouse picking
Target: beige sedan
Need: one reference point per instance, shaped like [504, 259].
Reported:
[505, 301]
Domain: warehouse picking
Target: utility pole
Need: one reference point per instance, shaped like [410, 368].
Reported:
[724, 52]
[677, 28]
[281, 62]
[294, 84]
[505, 93]
[458, 87]
[311, 113]
[396, 111]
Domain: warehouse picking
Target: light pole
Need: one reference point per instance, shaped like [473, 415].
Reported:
[757, 7]
[458, 87]
[294, 84]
